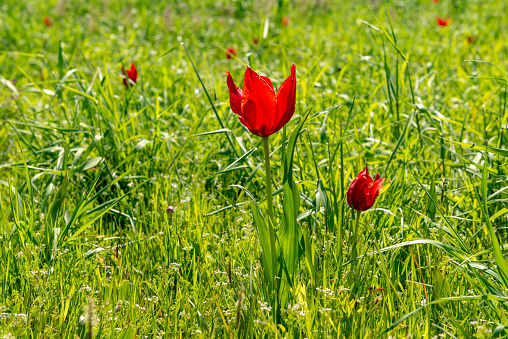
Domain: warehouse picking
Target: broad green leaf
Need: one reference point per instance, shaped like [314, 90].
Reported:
[290, 234]
[431, 207]
[58, 200]
[263, 235]
[441, 286]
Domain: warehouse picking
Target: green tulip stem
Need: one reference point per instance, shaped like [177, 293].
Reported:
[271, 221]
[268, 179]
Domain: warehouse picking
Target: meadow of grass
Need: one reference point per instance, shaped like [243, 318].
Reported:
[89, 167]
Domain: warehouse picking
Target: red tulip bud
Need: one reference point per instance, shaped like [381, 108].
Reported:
[362, 192]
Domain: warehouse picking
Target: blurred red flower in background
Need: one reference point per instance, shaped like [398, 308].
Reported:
[47, 22]
[471, 39]
[284, 21]
[261, 110]
[363, 191]
[230, 52]
[443, 22]
[131, 74]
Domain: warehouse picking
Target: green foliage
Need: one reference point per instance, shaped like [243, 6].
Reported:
[88, 169]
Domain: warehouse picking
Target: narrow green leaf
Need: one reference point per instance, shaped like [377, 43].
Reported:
[58, 200]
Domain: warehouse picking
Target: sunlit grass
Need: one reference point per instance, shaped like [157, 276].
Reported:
[89, 167]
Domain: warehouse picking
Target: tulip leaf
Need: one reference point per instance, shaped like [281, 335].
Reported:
[502, 265]
[59, 199]
[441, 286]
[263, 235]
[290, 234]
[498, 331]
[431, 208]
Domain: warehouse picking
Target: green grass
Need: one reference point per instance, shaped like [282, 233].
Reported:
[88, 168]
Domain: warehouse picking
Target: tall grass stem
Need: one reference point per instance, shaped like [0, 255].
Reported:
[355, 235]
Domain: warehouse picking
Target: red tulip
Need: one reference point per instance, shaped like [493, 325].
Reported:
[436, 1]
[261, 110]
[471, 39]
[47, 22]
[230, 52]
[443, 22]
[362, 192]
[284, 21]
[131, 74]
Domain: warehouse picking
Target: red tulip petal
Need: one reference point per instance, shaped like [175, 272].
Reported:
[235, 95]
[362, 189]
[374, 191]
[286, 101]
[133, 73]
[291, 80]
[246, 124]
[357, 192]
[377, 186]
[250, 117]
[268, 82]
[348, 197]
[257, 90]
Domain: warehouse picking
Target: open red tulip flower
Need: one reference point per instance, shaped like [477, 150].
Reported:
[131, 75]
[363, 191]
[443, 22]
[262, 110]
